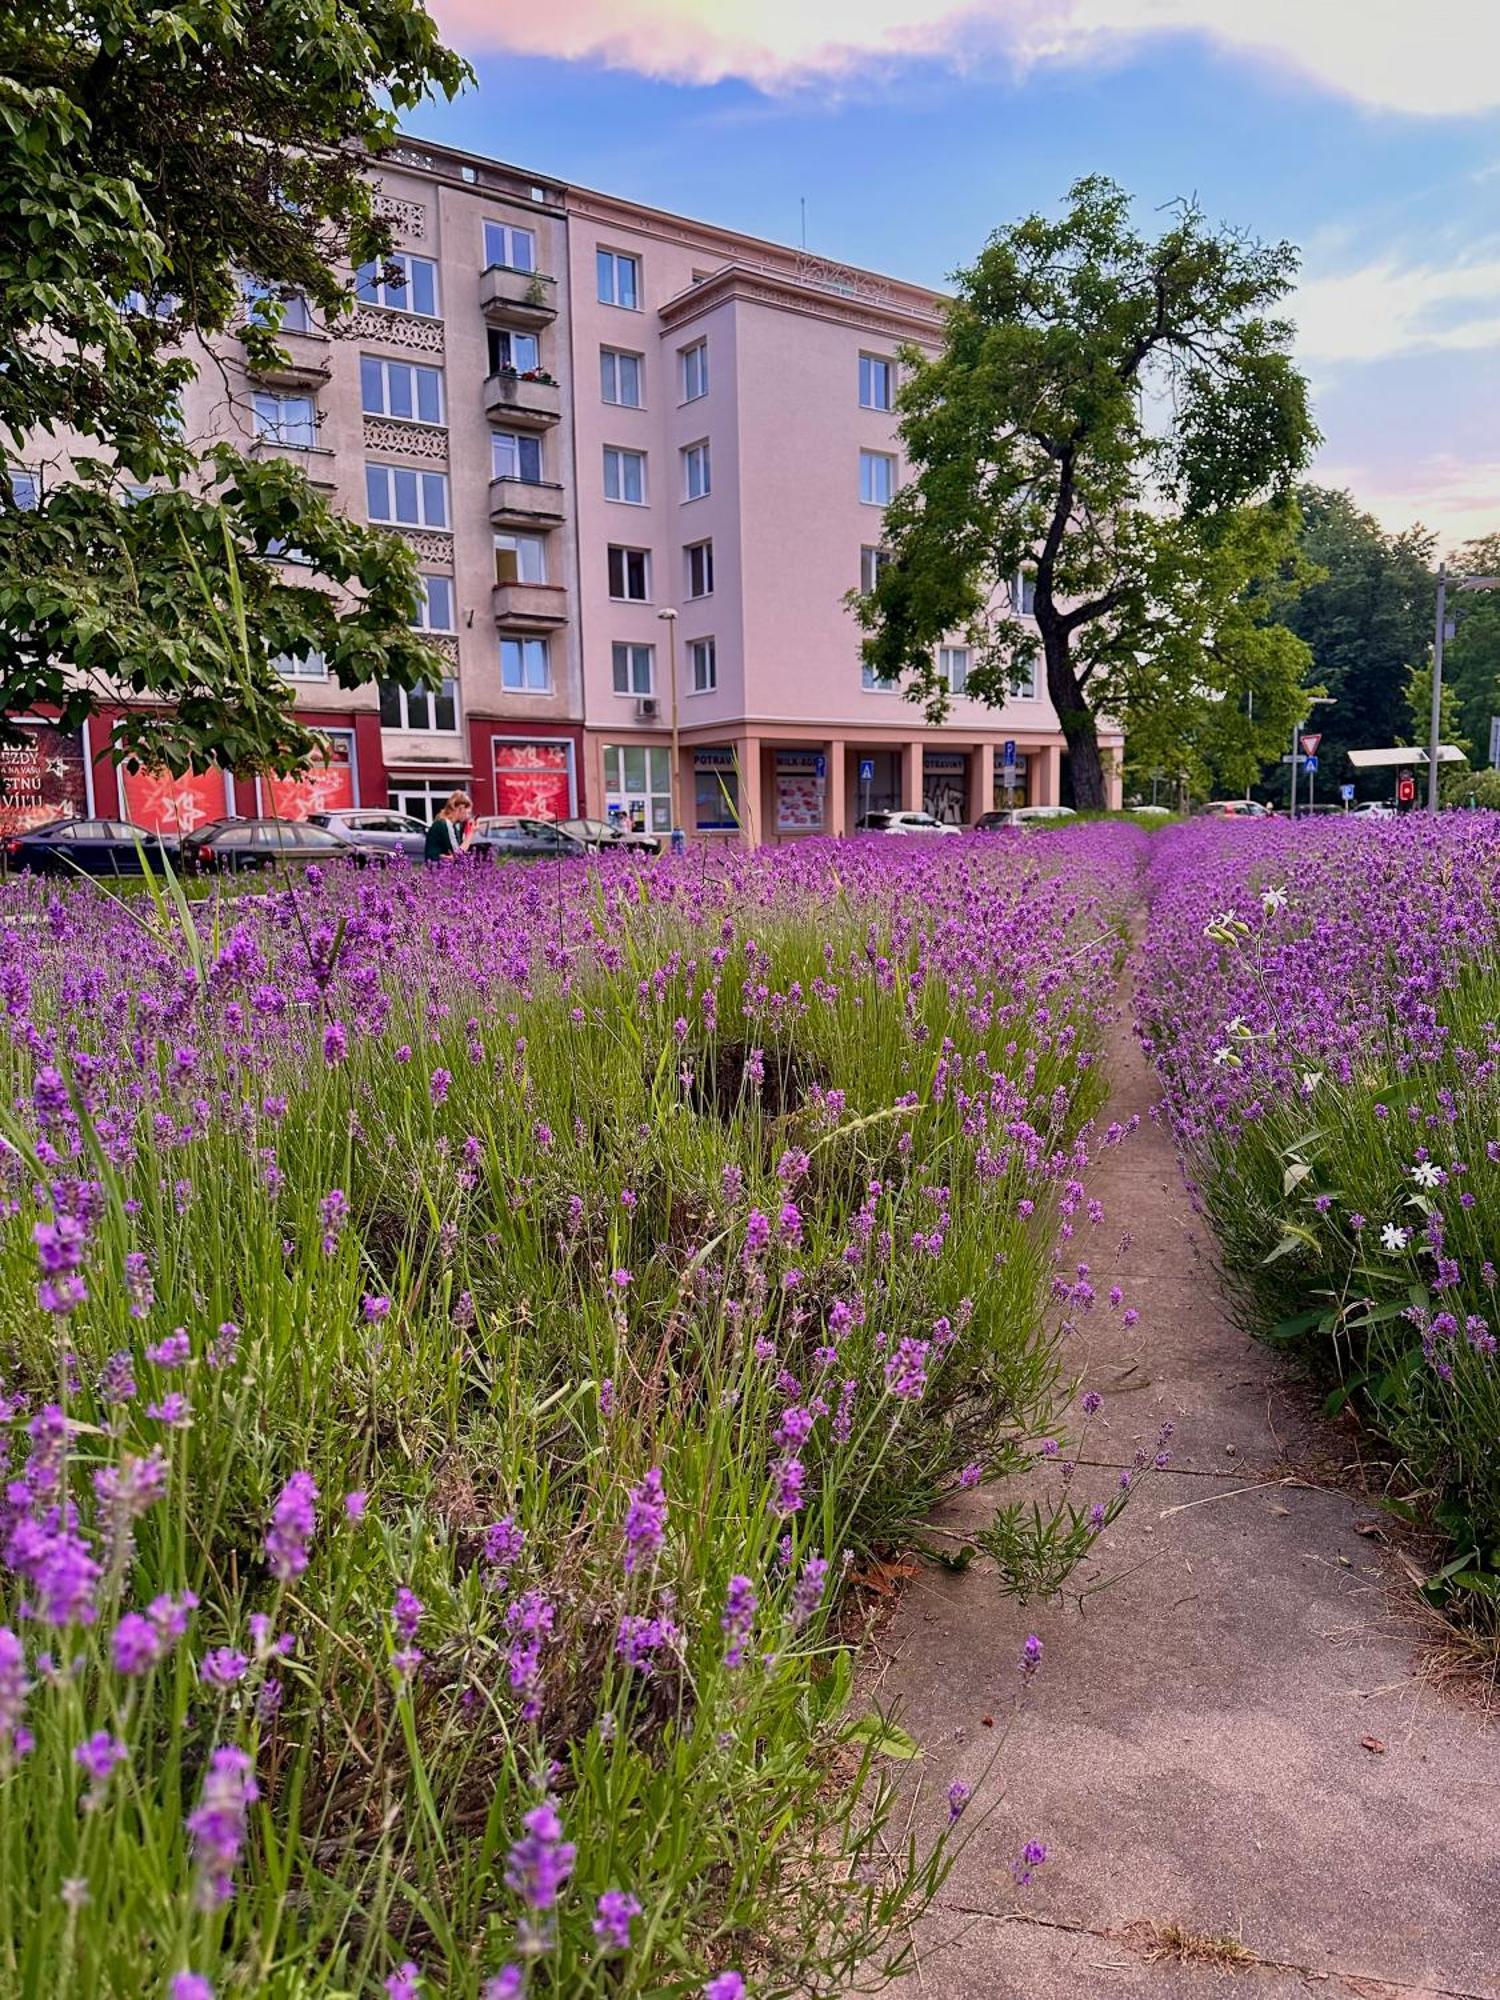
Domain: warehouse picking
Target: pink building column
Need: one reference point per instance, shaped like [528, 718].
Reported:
[752, 822]
[1049, 775]
[835, 812]
[981, 780]
[911, 777]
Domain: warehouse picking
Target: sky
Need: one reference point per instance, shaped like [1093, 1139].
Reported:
[1366, 132]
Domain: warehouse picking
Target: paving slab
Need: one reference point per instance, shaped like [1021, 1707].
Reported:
[1230, 1731]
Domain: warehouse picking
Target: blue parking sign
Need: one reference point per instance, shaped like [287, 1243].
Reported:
[1309, 763]
[1008, 755]
[866, 770]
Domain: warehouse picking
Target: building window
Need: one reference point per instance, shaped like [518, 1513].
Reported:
[877, 379]
[429, 710]
[400, 283]
[635, 668]
[700, 569]
[1024, 594]
[625, 475]
[1025, 688]
[514, 248]
[695, 371]
[286, 420]
[262, 300]
[515, 456]
[716, 790]
[400, 389]
[704, 662]
[871, 563]
[524, 666]
[512, 350]
[877, 478]
[520, 559]
[435, 605]
[871, 682]
[407, 499]
[953, 667]
[309, 666]
[421, 801]
[638, 786]
[534, 777]
[695, 471]
[26, 491]
[630, 574]
[619, 280]
[620, 377]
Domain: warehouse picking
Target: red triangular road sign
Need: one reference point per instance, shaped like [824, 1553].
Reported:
[1310, 743]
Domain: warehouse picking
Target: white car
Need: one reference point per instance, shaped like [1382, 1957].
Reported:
[1373, 809]
[1021, 816]
[902, 822]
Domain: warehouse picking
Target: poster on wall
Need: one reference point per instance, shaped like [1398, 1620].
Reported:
[43, 778]
[325, 786]
[945, 785]
[532, 779]
[801, 778]
[161, 803]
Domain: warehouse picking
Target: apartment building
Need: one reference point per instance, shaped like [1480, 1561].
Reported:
[643, 461]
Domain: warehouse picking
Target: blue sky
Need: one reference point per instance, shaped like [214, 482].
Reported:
[913, 127]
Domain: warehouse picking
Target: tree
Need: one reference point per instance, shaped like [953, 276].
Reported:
[1103, 405]
[1418, 703]
[1367, 617]
[1471, 660]
[150, 159]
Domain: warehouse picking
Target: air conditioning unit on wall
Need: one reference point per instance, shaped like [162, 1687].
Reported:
[647, 709]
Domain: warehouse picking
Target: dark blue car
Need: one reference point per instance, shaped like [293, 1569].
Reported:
[87, 847]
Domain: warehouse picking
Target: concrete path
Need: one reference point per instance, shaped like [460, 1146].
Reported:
[1194, 1748]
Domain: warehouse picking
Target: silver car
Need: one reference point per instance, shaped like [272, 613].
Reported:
[381, 829]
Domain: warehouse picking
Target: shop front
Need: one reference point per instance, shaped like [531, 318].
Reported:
[801, 790]
[638, 786]
[329, 784]
[945, 786]
[43, 777]
[716, 788]
[1011, 782]
[534, 776]
[161, 803]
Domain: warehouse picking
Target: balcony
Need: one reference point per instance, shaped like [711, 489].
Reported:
[530, 607]
[306, 362]
[522, 399]
[525, 503]
[517, 298]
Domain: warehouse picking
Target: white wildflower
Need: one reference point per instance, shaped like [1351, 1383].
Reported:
[1427, 1175]
[1273, 899]
[1392, 1238]
[1310, 1079]
[1223, 1054]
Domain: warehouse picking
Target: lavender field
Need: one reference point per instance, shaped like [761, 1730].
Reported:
[463, 1335]
[469, 1338]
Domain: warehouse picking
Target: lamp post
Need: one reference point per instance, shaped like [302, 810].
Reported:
[670, 617]
[1440, 633]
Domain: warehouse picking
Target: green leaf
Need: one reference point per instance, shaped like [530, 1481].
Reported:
[884, 1737]
[1300, 1323]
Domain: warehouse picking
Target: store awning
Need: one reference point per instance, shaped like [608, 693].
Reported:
[1410, 755]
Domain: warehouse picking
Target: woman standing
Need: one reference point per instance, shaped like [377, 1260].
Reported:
[452, 830]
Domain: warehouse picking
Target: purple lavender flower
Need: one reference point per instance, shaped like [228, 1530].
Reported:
[504, 1544]
[738, 1621]
[1091, 1402]
[540, 1862]
[645, 1521]
[615, 1911]
[787, 1477]
[117, 1379]
[173, 1351]
[725, 1986]
[335, 1044]
[190, 1986]
[507, 1984]
[1031, 1656]
[620, 1278]
[807, 1591]
[639, 1639]
[224, 1346]
[98, 1756]
[174, 1410]
[223, 1667]
[959, 1795]
[60, 1247]
[333, 1213]
[15, 1741]
[405, 1982]
[1031, 1857]
[355, 1503]
[218, 1826]
[406, 1614]
[442, 1082]
[293, 1521]
[375, 1307]
[906, 1370]
[972, 1473]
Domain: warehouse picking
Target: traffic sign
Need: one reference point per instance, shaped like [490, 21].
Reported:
[866, 770]
[1008, 755]
[1309, 763]
[1346, 793]
[1310, 743]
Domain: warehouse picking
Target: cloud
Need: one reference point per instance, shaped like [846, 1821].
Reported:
[1386, 308]
[1454, 496]
[1441, 57]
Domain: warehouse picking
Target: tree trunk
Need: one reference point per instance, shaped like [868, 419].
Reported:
[1080, 732]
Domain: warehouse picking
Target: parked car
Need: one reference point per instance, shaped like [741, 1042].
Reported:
[602, 833]
[235, 846]
[1233, 809]
[382, 829]
[88, 847]
[508, 836]
[902, 823]
[1021, 816]
[1373, 809]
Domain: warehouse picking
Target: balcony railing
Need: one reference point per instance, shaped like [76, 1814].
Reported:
[522, 399]
[529, 606]
[525, 503]
[307, 362]
[517, 298]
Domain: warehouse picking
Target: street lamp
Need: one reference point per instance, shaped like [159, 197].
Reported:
[1314, 701]
[670, 616]
[1439, 634]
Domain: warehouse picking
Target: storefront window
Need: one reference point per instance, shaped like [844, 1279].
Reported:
[533, 778]
[716, 790]
[638, 786]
